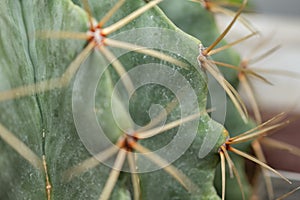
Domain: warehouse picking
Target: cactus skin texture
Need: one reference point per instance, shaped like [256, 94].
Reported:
[199, 29]
[27, 59]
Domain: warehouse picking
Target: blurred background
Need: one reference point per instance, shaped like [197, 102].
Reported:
[278, 7]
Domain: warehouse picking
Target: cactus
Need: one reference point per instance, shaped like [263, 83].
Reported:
[48, 147]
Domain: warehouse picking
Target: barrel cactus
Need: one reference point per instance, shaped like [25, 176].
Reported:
[108, 100]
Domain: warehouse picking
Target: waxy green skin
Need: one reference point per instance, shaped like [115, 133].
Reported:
[26, 59]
